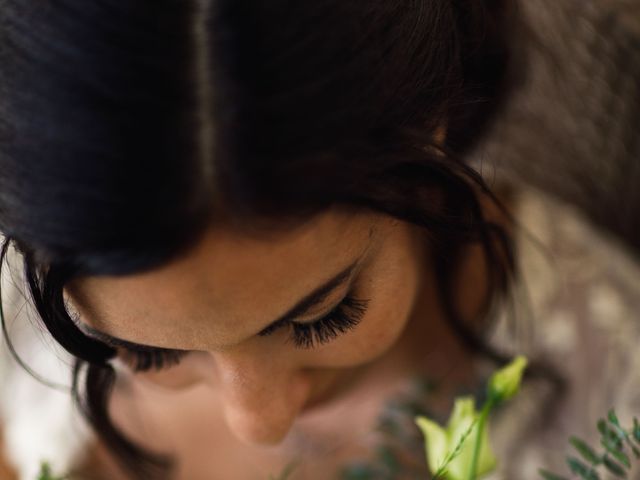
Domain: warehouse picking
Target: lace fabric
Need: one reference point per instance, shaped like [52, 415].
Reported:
[576, 304]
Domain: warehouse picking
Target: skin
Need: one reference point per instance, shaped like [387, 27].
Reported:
[214, 300]
[246, 396]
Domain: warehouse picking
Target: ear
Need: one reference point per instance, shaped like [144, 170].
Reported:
[440, 135]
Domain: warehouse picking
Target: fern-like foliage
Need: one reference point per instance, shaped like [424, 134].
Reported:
[286, 473]
[46, 473]
[616, 446]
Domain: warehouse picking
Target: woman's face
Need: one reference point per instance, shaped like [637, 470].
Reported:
[356, 274]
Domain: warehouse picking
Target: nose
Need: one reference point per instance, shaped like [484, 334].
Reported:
[261, 395]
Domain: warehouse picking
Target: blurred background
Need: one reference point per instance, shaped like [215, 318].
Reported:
[572, 128]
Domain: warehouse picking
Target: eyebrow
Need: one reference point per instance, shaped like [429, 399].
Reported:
[312, 299]
[315, 297]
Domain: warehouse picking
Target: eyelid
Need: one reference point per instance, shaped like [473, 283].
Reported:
[347, 286]
[133, 348]
[277, 326]
[309, 317]
[345, 316]
[303, 335]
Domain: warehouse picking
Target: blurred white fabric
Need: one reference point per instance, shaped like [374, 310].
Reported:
[39, 422]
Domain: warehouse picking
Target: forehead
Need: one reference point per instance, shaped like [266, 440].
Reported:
[229, 282]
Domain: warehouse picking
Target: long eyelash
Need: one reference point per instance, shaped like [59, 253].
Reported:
[343, 317]
[153, 359]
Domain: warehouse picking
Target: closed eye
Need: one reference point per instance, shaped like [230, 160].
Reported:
[345, 316]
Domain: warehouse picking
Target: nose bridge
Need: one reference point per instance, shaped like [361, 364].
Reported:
[250, 369]
[261, 393]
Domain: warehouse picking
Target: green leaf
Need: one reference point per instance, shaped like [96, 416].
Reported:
[613, 418]
[586, 451]
[610, 439]
[624, 435]
[618, 431]
[622, 458]
[286, 472]
[635, 451]
[46, 473]
[359, 472]
[579, 468]
[603, 428]
[550, 476]
[613, 467]
[636, 429]
[388, 458]
[616, 451]
[615, 458]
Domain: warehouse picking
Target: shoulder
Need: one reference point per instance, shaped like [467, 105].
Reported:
[571, 268]
[576, 298]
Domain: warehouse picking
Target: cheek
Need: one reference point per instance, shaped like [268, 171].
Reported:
[391, 287]
[384, 325]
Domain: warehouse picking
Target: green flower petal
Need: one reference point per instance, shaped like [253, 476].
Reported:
[463, 414]
[436, 445]
[441, 442]
[487, 461]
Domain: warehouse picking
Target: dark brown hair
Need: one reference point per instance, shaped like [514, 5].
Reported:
[126, 128]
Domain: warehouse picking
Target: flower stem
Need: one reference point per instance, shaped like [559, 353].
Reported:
[482, 420]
